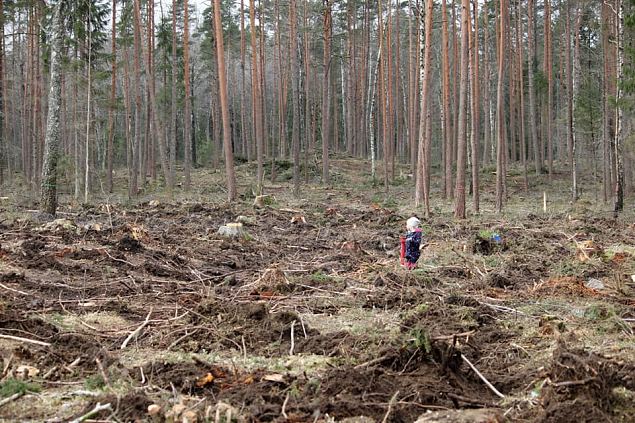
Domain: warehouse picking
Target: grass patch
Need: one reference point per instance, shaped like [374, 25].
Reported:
[12, 386]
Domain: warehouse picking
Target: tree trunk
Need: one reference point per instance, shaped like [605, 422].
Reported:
[448, 132]
[548, 74]
[89, 88]
[475, 115]
[187, 109]
[521, 84]
[113, 99]
[531, 22]
[173, 121]
[326, 86]
[222, 76]
[500, 112]
[256, 98]
[620, 131]
[422, 192]
[459, 205]
[295, 95]
[52, 138]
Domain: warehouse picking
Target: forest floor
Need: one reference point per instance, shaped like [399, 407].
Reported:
[143, 311]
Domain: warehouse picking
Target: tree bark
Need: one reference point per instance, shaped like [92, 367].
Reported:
[113, 99]
[52, 138]
[256, 99]
[459, 205]
[222, 76]
[448, 132]
[422, 192]
[187, 109]
[295, 96]
[326, 86]
[500, 112]
[531, 23]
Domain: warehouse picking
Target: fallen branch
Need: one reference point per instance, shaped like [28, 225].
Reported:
[14, 290]
[98, 409]
[574, 382]
[390, 406]
[26, 340]
[136, 332]
[458, 335]
[284, 407]
[479, 374]
[470, 400]
[372, 362]
[11, 398]
[292, 338]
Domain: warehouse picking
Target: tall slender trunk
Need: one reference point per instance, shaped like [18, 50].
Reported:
[113, 99]
[3, 133]
[500, 113]
[137, 95]
[187, 109]
[89, 88]
[173, 100]
[547, 63]
[326, 86]
[295, 95]
[422, 191]
[448, 137]
[256, 98]
[475, 115]
[52, 138]
[459, 205]
[531, 23]
[243, 86]
[521, 85]
[227, 142]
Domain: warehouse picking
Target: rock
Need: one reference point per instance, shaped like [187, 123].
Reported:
[26, 372]
[594, 284]
[57, 225]
[298, 219]
[154, 409]
[189, 417]
[482, 415]
[246, 220]
[263, 200]
[232, 230]
[358, 419]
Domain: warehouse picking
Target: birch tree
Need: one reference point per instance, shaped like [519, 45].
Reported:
[52, 138]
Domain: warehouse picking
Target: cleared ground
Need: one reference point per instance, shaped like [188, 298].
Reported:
[309, 317]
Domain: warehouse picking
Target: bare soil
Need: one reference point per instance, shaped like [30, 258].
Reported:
[316, 321]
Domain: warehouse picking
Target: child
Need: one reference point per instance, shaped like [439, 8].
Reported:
[412, 243]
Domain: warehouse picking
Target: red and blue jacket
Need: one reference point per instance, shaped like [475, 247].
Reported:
[413, 241]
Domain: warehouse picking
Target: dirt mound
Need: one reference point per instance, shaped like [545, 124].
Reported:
[582, 386]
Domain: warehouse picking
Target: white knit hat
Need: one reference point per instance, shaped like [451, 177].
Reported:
[412, 223]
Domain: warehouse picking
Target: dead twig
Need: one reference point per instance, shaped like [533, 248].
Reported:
[391, 404]
[136, 332]
[11, 398]
[284, 407]
[470, 400]
[14, 290]
[103, 372]
[457, 335]
[372, 362]
[574, 382]
[98, 409]
[26, 340]
[292, 338]
[176, 342]
[483, 378]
